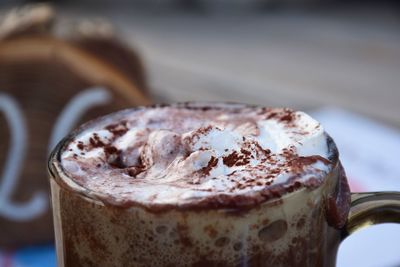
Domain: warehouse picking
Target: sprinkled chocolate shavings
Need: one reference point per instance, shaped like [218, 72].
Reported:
[232, 173]
[80, 145]
[110, 150]
[118, 129]
[287, 118]
[275, 171]
[260, 151]
[235, 159]
[95, 141]
[297, 164]
[211, 164]
[113, 156]
[196, 135]
[285, 115]
[272, 115]
[245, 152]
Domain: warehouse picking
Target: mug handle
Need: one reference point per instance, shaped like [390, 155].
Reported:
[372, 208]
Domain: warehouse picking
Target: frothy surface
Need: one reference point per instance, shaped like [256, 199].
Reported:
[197, 154]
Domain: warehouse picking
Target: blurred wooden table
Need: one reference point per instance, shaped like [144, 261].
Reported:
[302, 59]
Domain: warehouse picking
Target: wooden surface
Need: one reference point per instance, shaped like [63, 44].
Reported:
[303, 59]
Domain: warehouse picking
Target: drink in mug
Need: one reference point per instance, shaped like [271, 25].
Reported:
[205, 184]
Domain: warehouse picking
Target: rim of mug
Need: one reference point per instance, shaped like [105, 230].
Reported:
[59, 175]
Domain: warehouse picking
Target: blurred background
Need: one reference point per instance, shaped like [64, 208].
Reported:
[338, 60]
[303, 54]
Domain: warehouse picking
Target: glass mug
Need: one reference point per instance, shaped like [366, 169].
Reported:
[301, 228]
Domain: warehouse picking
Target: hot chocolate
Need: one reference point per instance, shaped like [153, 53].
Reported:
[191, 155]
[198, 185]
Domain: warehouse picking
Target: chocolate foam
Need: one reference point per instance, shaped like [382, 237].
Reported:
[195, 155]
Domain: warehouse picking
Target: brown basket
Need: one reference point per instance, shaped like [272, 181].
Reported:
[49, 84]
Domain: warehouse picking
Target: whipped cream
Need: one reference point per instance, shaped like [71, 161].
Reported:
[187, 154]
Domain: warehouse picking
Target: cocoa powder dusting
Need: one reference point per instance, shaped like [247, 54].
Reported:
[211, 164]
[113, 156]
[108, 150]
[80, 145]
[285, 115]
[118, 129]
[95, 141]
[198, 133]
[288, 117]
[297, 164]
[245, 152]
[235, 159]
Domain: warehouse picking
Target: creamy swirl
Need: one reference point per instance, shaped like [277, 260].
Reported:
[192, 154]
